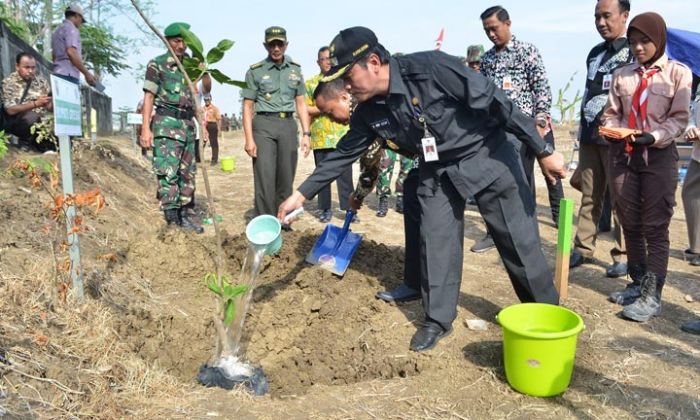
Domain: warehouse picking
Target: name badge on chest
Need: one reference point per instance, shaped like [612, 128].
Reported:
[607, 81]
[507, 83]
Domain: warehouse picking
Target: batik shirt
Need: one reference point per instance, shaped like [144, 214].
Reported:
[603, 59]
[518, 69]
[325, 133]
[13, 87]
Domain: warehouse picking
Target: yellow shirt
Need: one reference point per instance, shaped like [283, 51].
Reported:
[211, 113]
[325, 133]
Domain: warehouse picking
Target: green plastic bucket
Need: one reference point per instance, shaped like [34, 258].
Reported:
[539, 347]
[264, 232]
[228, 163]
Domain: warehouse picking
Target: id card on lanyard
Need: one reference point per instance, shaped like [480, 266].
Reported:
[428, 143]
[607, 81]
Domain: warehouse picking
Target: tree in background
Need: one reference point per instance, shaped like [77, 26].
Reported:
[9, 18]
[103, 48]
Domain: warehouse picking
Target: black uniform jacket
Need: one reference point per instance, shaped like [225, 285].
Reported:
[465, 112]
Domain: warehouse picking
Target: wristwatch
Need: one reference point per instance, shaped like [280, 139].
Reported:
[306, 133]
[547, 151]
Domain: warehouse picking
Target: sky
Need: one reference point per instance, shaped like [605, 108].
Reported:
[563, 31]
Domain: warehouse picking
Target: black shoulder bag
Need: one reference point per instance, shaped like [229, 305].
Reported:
[7, 120]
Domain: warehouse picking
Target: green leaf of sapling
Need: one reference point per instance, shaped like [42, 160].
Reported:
[193, 43]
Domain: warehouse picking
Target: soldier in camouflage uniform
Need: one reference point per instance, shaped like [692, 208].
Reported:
[387, 163]
[171, 132]
[25, 97]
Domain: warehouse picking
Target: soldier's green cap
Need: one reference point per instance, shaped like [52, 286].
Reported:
[275, 33]
[175, 29]
[474, 53]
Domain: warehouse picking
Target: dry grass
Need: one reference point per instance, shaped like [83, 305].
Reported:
[64, 360]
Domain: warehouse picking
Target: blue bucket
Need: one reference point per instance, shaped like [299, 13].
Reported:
[264, 232]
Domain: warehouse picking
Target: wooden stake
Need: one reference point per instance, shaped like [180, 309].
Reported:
[561, 272]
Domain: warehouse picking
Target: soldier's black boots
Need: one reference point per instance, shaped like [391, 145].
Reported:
[187, 223]
[383, 206]
[633, 290]
[172, 216]
[648, 305]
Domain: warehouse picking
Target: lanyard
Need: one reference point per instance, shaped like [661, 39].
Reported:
[419, 116]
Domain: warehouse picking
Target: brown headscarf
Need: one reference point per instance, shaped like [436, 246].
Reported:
[653, 26]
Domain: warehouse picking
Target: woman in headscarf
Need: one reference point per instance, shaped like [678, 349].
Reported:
[650, 96]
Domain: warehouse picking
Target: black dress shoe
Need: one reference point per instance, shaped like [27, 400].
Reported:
[485, 244]
[577, 259]
[692, 327]
[428, 336]
[616, 270]
[325, 216]
[695, 261]
[401, 293]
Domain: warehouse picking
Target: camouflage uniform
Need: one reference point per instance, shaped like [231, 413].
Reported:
[369, 173]
[20, 124]
[387, 163]
[372, 168]
[13, 87]
[173, 132]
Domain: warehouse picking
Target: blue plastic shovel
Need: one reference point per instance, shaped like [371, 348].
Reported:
[335, 247]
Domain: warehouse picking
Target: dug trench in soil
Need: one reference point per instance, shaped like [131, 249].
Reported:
[305, 326]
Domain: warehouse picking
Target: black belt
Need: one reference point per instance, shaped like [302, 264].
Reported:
[277, 114]
[181, 114]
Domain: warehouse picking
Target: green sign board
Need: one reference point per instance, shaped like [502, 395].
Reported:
[66, 107]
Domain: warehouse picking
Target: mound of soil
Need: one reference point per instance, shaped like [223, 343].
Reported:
[306, 325]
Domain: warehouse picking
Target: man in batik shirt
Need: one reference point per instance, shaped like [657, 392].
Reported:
[517, 68]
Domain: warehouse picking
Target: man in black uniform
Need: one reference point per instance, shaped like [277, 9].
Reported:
[432, 105]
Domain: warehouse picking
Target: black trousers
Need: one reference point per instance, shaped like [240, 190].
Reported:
[556, 192]
[213, 131]
[644, 198]
[509, 212]
[20, 125]
[411, 229]
[344, 183]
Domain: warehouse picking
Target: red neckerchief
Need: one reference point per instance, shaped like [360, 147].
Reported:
[638, 113]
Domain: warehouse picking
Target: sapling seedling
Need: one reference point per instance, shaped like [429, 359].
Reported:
[228, 294]
[194, 68]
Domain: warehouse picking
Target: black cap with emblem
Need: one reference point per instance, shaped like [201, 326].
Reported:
[347, 48]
